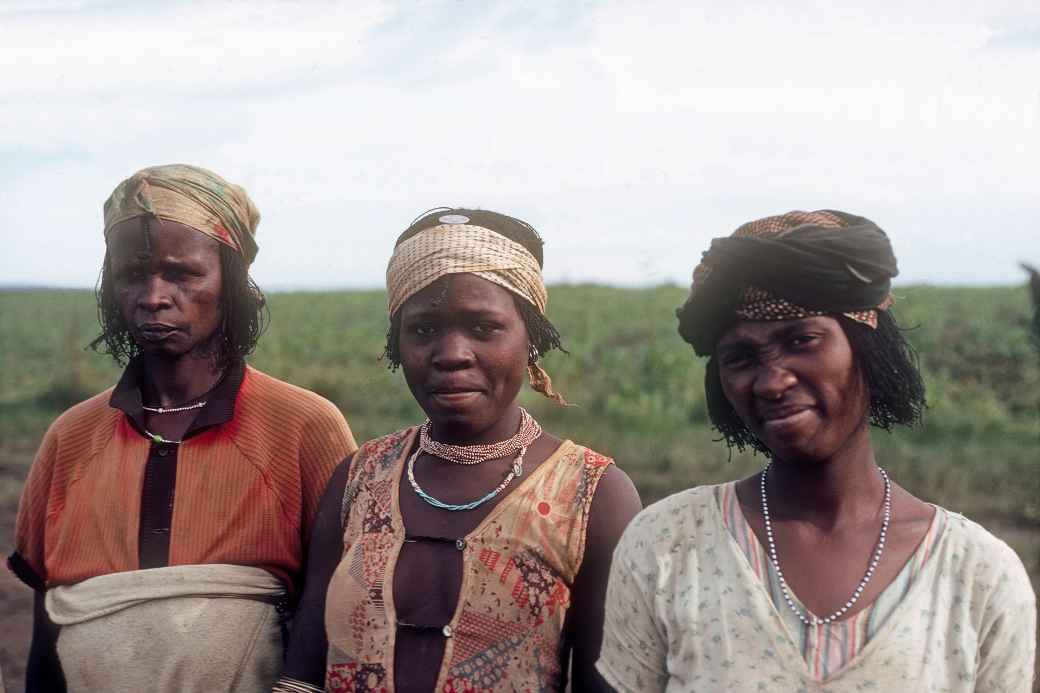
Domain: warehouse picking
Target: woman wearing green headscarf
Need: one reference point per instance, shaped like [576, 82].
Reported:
[819, 573]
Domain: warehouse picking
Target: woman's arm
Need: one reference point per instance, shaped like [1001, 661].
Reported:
[614, 504]
[305, 660]
[43, 672]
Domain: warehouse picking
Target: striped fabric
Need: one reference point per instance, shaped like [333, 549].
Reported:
[246, 491]
[826, 648]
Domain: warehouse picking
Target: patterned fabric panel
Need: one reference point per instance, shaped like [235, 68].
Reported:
[518, 568]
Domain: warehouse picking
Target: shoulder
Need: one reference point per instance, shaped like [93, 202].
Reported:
[73, 438]
[665, 526]
[587, 456]
[975, 544]
[83, 419]
[86, 412]
[984, 563]
[287, 401]
[385, 449]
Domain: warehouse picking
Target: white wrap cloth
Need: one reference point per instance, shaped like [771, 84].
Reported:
[183, 629]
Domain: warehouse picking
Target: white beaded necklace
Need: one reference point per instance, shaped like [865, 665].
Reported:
[517, 444]
[811, 619]
[171, 410]
[527, 433]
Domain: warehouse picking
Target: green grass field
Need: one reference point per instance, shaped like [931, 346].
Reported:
[636, 386]
[637, 390]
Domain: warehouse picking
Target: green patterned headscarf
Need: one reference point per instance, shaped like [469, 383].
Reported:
[191, 196]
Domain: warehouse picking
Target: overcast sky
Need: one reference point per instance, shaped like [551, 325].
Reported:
[629, 134]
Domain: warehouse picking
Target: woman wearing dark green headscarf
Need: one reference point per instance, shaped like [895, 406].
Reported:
[818, 573]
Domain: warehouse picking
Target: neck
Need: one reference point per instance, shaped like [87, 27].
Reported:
[171, 382]
[460, 434]
[844, 488]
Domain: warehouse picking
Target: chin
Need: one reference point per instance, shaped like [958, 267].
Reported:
[160, 350]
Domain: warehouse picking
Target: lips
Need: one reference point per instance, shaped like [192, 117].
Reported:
[155, 331]
[785, 417]
[453, 394]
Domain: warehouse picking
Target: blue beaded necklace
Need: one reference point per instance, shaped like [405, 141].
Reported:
[516, 471]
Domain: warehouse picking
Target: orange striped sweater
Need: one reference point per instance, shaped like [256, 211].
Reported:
[246, 490]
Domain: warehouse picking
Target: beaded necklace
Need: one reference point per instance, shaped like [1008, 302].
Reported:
[156, 438]
[808, 618]
[529, 431]
[172, 410]
[516, 470]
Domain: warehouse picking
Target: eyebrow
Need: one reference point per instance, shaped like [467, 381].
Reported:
[748, 342]
[430, 312]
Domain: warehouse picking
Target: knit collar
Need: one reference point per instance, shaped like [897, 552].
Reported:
[220, 401]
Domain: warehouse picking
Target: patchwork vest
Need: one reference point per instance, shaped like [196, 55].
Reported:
[518, 567]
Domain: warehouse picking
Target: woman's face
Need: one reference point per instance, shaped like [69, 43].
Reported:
[464, 349]
[795, 385]
[167, 283]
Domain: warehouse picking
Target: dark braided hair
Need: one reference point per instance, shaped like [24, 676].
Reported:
[543, 334]
[244, 307]
[889, 366]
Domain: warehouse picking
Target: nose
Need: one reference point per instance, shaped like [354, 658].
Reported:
[452, 352]
[155, 294]
[772, 381]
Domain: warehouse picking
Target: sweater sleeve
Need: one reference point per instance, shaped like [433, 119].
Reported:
[326, 442]
[1007, 644]
[27, 562]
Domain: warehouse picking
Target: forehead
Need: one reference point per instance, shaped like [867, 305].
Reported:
[139, 236]
[460, 292]
[766, 331]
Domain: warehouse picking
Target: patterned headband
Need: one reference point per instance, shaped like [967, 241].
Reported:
[191, 196]
[462, 248]
[457, 248]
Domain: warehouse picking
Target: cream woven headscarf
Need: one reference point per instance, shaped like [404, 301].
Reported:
[191, 196]
[464, 248]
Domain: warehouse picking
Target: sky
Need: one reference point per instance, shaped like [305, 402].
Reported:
[628, 133]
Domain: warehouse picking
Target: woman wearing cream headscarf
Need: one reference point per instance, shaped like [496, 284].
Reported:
[162, 521]
[469, 553]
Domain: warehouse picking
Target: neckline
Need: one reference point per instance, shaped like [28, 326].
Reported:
[400, 532]
[762, 589]
[221, 399]
[529, 479]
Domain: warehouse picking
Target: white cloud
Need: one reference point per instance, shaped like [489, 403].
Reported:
[628, 133]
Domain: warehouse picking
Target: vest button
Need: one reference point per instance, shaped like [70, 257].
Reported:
[448, 632]
[460, 544]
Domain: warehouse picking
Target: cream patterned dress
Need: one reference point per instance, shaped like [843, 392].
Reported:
[686, 611]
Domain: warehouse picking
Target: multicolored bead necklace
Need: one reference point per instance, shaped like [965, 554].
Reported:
[158, 439]
[475, 454]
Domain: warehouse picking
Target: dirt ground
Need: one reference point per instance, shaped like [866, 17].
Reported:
[16, 607]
